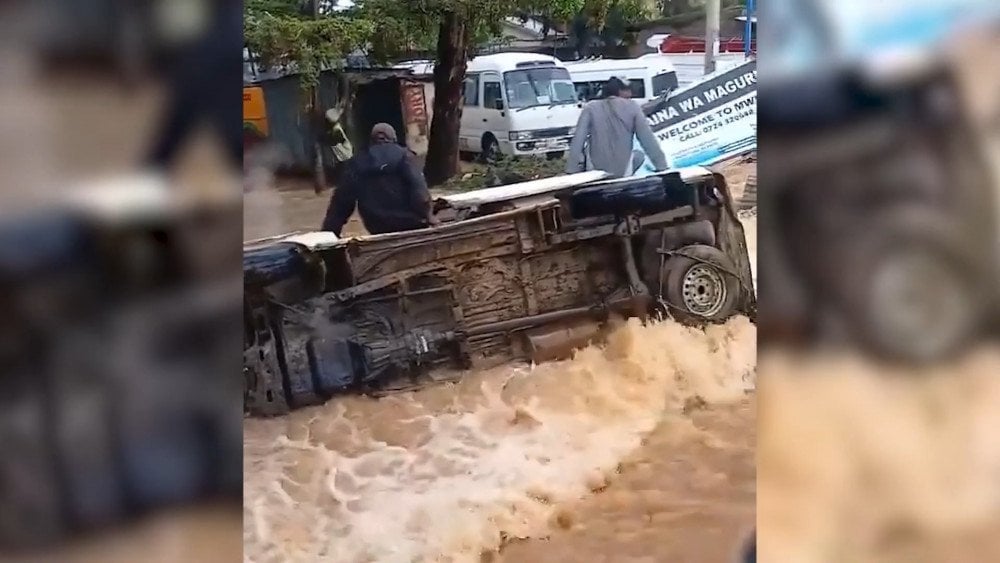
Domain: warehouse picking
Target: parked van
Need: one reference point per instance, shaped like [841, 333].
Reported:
[518, 104]
[648, 77]
[515, 104]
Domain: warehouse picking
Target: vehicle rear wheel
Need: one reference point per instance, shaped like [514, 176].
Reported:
[913, 292]
[491, 149]
[700, 285]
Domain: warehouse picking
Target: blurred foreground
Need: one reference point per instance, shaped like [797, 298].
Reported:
[121, 333]
[879, 377]
[859, 462]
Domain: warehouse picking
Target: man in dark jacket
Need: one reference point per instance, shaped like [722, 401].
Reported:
[386, 186]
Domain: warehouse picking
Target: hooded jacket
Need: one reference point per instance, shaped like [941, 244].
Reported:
[387, 188]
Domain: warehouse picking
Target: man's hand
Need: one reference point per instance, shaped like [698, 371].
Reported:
[433, 221]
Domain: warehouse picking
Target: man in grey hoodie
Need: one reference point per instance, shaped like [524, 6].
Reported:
[605, 133]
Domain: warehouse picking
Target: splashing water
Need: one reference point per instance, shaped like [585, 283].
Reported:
[448, 472]
[871, 463]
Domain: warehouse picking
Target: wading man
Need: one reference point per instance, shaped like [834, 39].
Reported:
[386, 186]
[605, 133]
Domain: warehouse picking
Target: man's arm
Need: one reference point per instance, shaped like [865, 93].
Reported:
[648, 140]
[420, 196]
[575, 160]
[342, 204]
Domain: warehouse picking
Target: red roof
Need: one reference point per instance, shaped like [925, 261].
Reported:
[682, 44]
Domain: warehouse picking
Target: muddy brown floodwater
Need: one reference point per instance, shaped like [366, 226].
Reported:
[639, 451]
[877, 464]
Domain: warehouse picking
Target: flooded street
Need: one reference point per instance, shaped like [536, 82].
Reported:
[640, 451]
[878, 464]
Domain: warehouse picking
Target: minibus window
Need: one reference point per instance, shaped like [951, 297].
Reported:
[638, 88]
[538, 87]
[664, 82]
[470, 90]
[491, 95]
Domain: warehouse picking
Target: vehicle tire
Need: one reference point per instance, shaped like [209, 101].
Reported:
[913, 289]
[700, 285]
[491, 149]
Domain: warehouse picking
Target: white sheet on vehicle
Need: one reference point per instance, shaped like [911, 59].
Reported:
[524, 189]
[535, 188]
[313, 240]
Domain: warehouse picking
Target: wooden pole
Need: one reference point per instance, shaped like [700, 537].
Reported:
[319, 171]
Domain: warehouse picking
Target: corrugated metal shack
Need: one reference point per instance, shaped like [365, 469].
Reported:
[365, 96]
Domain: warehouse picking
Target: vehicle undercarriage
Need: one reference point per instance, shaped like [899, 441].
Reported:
[528, 272]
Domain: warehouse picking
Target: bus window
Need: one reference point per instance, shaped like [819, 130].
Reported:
[470, 90]
[492, 95]
[638, 88]
[664, 82]
[585, 91]
[564, 90]
[539, 86]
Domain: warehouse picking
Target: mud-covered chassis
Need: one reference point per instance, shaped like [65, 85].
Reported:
[519, 272]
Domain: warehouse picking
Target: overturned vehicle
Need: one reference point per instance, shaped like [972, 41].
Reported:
[528, 271]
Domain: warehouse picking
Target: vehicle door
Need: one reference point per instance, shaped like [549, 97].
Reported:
[494, 109]
[472, 129]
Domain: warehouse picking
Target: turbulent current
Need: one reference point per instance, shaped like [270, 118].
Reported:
[628, 453]
[452, 473]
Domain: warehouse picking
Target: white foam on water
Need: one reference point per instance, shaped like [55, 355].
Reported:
[448, 472]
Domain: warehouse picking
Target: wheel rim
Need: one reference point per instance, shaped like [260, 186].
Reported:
[919, 305]
[704, 291]
[492, 152]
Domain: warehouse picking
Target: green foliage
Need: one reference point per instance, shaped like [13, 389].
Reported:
[507, 170]
[283, 8]
[282, 34]
[420, 18]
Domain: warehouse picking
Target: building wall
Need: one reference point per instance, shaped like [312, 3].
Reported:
[293, 128]
[289, 123]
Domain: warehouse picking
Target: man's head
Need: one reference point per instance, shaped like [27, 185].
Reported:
[383, 133]
[616, 87]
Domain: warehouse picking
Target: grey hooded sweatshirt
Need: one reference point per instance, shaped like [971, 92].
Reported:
[604, 137]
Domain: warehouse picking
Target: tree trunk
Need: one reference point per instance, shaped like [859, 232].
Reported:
[449, 72]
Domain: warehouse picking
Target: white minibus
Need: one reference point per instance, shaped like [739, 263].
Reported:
[647, 77]
[515, 104]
